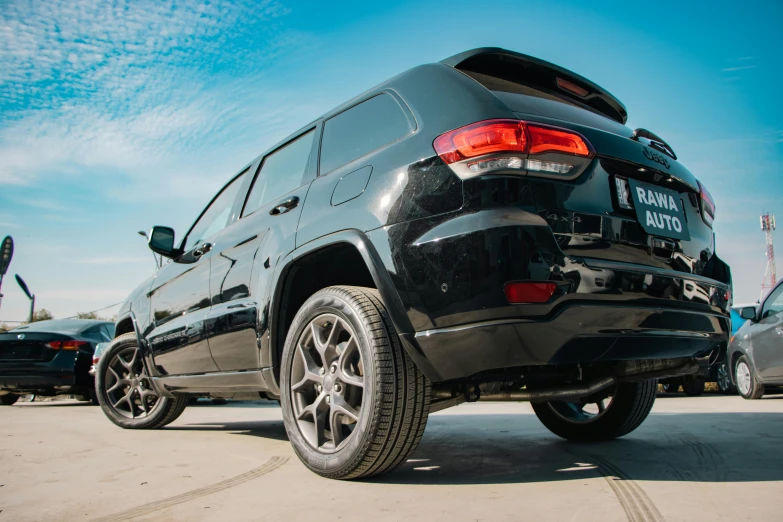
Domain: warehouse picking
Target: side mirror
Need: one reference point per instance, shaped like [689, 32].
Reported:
[749, 312]
[162, 241]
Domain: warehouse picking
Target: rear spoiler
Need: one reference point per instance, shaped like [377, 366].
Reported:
[526, 70]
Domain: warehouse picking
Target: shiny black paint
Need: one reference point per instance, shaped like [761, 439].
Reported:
[179, 301]
[440, 249]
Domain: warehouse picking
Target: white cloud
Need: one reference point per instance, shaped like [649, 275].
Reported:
[147, 89]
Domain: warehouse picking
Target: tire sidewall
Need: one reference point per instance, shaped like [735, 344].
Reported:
[327, 302]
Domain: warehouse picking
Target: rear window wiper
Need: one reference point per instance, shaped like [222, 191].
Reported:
[656, 141]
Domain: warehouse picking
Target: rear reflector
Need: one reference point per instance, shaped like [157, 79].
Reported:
[66, 345]
[707, 205]
[508, 136]
[519, 293]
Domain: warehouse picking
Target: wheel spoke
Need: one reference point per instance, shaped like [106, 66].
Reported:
[124, 363]
[132, 362]
[120, 383]
[310, 370]
[343, 408]
[601, 406]
[346, 373]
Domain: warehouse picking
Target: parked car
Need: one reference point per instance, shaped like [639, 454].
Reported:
[756, 350]
[96, 356]
[50, 358]
[483, 228]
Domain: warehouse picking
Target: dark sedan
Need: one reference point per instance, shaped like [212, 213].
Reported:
[50, 358]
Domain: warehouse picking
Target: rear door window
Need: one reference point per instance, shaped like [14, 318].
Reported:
[362, 129]
[281, 172]
[215, 217]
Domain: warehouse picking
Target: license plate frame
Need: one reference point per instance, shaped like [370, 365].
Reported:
[659, 210]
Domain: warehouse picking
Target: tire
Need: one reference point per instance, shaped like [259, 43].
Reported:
[723, 379]
[693, 386]
[630, 405]
[747, 384]
[141, 407]
[386, 423]
[8, 399]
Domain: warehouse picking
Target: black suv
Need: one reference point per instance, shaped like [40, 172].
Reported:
[483, 228]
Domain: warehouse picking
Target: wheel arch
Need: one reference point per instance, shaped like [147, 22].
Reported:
[355, 262]
[736, 354]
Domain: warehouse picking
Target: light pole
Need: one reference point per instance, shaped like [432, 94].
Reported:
[157, 263]
[30, 296]
[6, 253]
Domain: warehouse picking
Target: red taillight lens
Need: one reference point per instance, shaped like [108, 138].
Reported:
[519, 293]
[508, 136]
[707, 205]
[547, 139]
[66, 345]
[73, 345]
[484, 137]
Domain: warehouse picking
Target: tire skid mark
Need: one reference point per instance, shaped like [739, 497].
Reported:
[638, 506]
[270, 465]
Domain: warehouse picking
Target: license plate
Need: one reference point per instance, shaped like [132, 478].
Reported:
[659, 210]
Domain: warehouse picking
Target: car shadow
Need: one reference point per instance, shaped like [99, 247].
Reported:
[54, 404]
[500, 449]
[272, 429]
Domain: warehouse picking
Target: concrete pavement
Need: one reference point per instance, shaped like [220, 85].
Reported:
[707, 458]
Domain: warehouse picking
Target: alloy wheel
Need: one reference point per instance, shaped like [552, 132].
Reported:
[723, 378]
[581, 412]
[128, 387]
[327, 377]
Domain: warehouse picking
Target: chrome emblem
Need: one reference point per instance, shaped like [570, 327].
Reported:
[20, 336]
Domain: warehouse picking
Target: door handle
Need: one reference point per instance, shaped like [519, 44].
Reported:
[203, 249]
[284, 206]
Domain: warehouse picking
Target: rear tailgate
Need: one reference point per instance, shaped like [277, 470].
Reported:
[586, 211]
[591, 218]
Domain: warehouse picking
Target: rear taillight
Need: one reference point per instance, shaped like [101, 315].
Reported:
[478, 139]
[707, 205]
[528, 292]
[513, 142]
[66, 345]
[548, 139]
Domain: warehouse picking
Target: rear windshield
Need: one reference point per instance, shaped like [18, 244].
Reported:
[529, 100]
[63, 327]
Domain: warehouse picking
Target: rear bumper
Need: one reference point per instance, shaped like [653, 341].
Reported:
[64, 372]
[449, 272]
[579, 333]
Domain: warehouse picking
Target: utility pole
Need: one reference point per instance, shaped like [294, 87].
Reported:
[770, 277]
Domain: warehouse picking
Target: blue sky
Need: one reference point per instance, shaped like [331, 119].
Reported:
[115, 116]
